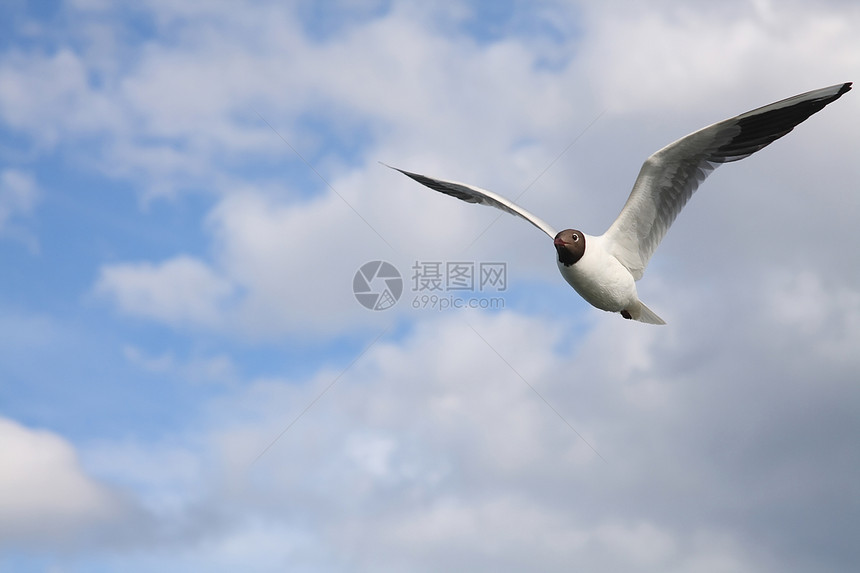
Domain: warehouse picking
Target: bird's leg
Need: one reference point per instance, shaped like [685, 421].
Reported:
[626, 314]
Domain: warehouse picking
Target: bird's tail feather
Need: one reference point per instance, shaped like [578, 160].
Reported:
[647, 315]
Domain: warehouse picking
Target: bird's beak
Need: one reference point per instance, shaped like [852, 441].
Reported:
[558, 242]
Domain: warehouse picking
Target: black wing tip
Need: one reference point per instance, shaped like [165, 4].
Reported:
[391, 167]
[422, 179]
[843, 89]
[447, 187]
[416, 176]
[760, 128]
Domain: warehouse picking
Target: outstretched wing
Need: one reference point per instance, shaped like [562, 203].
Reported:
[471, 194]
[670, 176]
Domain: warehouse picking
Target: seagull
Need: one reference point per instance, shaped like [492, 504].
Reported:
[604, 269]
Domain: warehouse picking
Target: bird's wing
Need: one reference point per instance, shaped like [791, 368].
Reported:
[670, 176]
[472, 194]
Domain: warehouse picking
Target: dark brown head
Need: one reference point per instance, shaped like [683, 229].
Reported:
[570, 245]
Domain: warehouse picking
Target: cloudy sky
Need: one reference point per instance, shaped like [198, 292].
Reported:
[187, 382]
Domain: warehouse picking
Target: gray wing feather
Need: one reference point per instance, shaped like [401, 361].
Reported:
[670, 176]
[472, 194]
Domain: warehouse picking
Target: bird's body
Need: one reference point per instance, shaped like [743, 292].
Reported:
[600, 278]
[604, 269]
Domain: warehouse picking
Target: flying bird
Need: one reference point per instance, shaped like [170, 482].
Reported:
[604, 269]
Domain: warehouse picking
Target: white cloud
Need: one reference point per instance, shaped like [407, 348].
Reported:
[179, 291]
[690, 54]
[18, 194]
[196, 368]
[45, 495]
[50, 98]
[432, 453]
[176, 110]
[825, 312]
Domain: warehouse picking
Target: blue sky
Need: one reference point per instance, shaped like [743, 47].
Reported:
[187, 190]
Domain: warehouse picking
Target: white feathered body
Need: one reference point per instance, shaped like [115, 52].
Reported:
[601, 279]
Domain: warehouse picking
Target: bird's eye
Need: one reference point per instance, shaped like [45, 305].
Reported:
[575, 237]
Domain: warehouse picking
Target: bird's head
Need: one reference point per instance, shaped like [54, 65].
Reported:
[570, 245]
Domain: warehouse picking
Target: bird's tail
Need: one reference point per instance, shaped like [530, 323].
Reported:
[647, 315]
